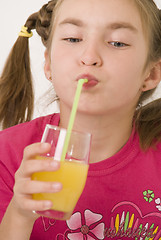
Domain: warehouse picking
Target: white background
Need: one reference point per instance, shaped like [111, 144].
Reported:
[13, 14]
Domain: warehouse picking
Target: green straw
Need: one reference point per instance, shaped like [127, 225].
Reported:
[72, 117]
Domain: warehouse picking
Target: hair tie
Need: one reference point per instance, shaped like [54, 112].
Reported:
[25, 33]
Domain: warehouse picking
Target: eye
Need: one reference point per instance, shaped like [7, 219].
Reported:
[72, 40]
[118, 44]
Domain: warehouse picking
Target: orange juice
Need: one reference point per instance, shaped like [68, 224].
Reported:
[72, 174]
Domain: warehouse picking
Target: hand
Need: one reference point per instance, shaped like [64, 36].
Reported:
[24, 187]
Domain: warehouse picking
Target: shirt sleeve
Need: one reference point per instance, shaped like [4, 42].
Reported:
[8, 167]
[12, 143]
[6, 189]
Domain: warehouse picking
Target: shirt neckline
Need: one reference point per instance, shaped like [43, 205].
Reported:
[115, 162]
[118, 160]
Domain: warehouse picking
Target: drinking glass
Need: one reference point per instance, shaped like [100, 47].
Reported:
[72, 173]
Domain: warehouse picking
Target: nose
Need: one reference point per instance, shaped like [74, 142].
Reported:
[91, 56]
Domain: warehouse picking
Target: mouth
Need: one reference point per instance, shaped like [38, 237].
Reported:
[92, 81]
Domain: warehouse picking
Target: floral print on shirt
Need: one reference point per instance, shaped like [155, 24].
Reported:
[126, 221]
[85, 227]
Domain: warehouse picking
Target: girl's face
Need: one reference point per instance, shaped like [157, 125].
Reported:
[103, 41]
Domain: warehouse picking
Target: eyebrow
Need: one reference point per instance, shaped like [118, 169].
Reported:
[72, 21]
[111, 26]
[124, 25]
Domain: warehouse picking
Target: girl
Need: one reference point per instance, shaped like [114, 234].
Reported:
[117, 46]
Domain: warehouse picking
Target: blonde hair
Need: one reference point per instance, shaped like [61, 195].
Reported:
[16, 91]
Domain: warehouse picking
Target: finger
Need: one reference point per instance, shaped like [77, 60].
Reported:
[31, 187]
[32, 166]
[36, 205]
[36, 149]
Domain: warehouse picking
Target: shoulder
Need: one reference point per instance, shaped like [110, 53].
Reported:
[14, 139]
[153, 156]
[157, 150]
[150, 157]
[31, 129]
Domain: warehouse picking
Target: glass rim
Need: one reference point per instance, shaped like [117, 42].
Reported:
[73, 131]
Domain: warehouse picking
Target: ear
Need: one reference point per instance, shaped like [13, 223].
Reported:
[47, 69]
[154, 77]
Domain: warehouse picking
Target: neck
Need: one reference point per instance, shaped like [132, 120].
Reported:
[109, 133]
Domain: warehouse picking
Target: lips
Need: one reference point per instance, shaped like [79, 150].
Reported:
[92, 81]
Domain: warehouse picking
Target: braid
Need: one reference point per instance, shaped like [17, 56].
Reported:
[16, 90]
[41, 21]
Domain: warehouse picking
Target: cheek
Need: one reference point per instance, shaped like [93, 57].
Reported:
[60, 52]
[132, 72]
[57, 68]
[128, 83]
[60, 64]
[60, 75]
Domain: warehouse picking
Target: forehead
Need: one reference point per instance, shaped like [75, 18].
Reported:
[100, 12]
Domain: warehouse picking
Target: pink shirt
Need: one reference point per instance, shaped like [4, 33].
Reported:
[121, 199]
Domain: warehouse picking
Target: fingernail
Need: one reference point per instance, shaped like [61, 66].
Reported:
[48, 204]
[57, 186]
[45, 145]
[54, 164]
